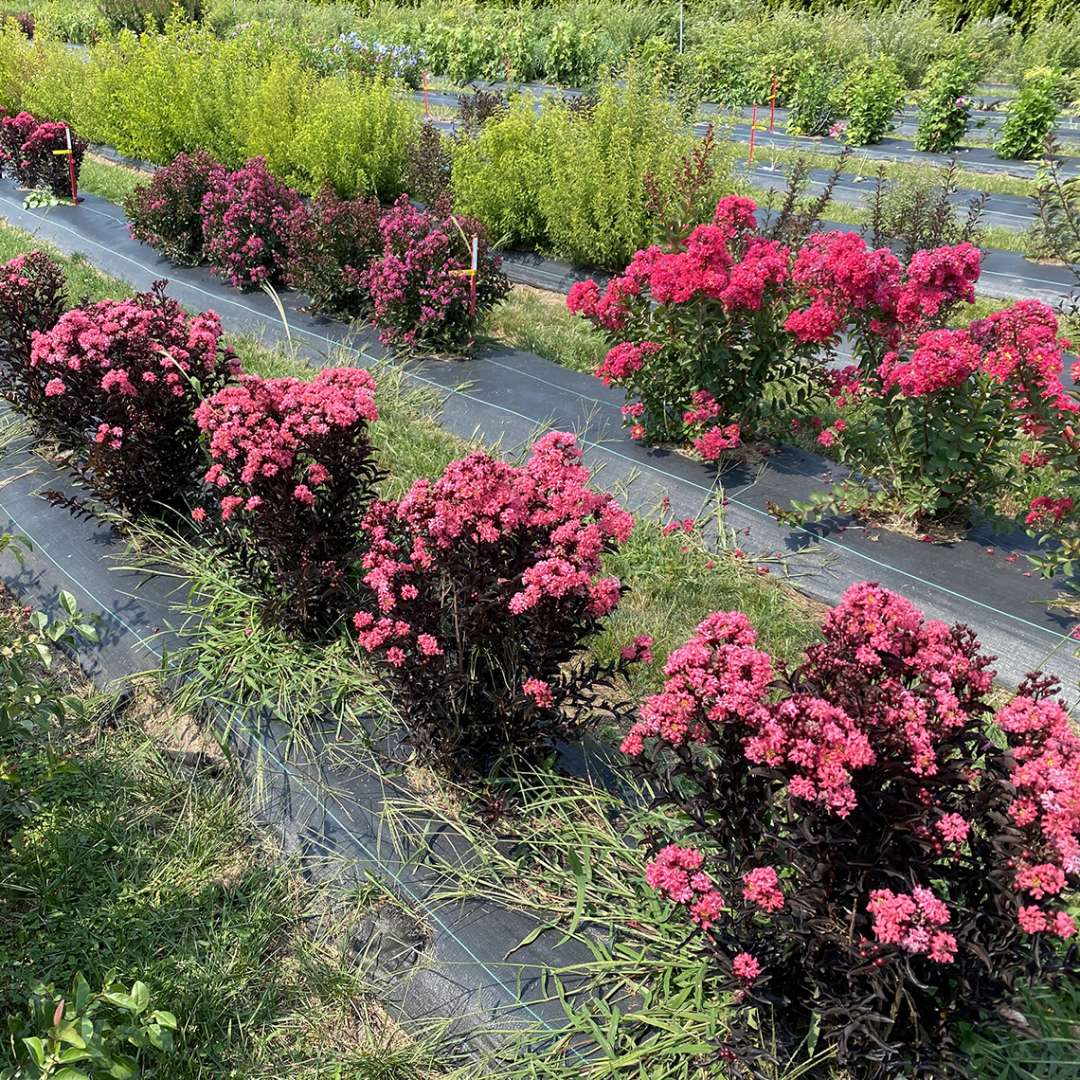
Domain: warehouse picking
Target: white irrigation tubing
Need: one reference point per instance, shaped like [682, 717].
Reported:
[41, 549]
[323, 340]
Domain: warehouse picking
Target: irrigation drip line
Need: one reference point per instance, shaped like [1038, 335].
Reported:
[498, 407]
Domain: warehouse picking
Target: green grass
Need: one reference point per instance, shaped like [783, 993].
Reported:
[108, 180]
[538, 322]
[126, 861]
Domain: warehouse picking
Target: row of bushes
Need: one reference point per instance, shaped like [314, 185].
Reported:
[869, 849]
[729, 49]
[474, 591]
[405, 269]
[728, 335]
[575, 183]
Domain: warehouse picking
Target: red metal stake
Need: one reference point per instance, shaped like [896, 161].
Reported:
[71, 167]
[772, 106]
[753, 134]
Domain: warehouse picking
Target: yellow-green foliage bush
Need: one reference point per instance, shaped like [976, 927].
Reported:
[498, 174]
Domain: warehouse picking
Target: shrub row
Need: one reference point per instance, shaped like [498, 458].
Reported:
[474, 591]
[869, 850]
[728, 335]
[730, 49]
[404, 268]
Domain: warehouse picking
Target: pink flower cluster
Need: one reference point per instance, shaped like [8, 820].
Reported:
[544, 511]
[419, 286]
[676, 874]
[844, 280]
[27, 148]
[912, 921]
[143, 352]
[247, 218]
[274, 438]
[1045, 751]
[761, 886]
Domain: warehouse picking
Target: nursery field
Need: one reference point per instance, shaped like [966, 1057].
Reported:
[539, 541]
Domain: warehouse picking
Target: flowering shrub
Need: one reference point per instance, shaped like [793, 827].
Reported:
[943, 415]
[26, 149]
[698, 333]
[121, 379]
[292, 473]
[946, 103]
[330, 247]
[480, 588]
[418, 286]
[815, 99]
[247, 217]
[31, 301]
[861, 842]
[166, 213]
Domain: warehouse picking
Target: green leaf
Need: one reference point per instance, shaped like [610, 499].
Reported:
[37, 1050]
[140, 995]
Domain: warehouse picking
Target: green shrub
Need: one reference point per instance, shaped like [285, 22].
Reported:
[573, 53]
[498, 173]
[874, 94]
[139, 14]
[945, 104]
[354, 134]
[1031, 115]
[601, 163]
[154, 96]
[77, 21]
[815, 102]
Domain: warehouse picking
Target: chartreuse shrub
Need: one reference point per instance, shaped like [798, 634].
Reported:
[698, 336]
[480, 589]
[873, 96]
[1031, 115]
[292, 473]
[945, 103]
[869, 851]
[121, 381]
[499, 172]
[155, 95]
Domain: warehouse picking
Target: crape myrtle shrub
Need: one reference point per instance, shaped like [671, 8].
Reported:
[32, 299]
[330, 246]
[121, 380]
[292, 473]
[1030, 117]
[26, 150]
[698, 333]
[862, 843]
[481, 588]
[418, 285]
[166, 213]
[247, 218]
[945, 103]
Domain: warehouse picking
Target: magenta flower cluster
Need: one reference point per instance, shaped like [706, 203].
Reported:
[126, 376]
[420, 286]
[247, 217]
[864, 825]
[27, 152]
[480, 587]
[32, 299]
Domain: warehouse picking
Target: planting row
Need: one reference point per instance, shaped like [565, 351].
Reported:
[726, 49]
[731, 334]
[866, 846]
